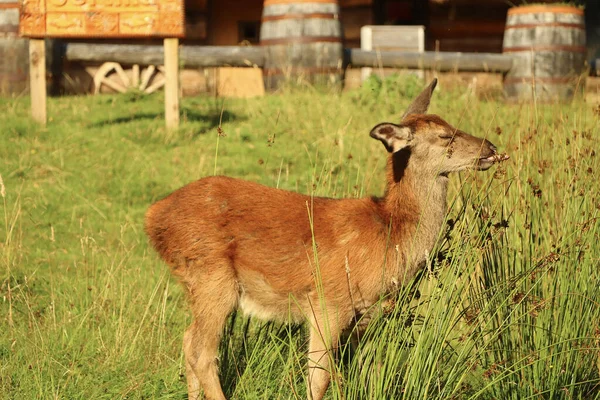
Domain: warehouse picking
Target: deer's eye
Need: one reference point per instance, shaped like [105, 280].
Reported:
[446, 136]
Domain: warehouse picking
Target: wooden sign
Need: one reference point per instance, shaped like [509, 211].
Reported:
[102, 18]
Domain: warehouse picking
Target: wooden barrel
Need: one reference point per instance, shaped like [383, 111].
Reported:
[547, 44]
[14, 51]
[302, 41]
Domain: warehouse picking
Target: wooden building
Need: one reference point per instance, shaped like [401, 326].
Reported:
[451, 25]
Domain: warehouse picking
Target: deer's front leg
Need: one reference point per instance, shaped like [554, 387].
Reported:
[324, 336]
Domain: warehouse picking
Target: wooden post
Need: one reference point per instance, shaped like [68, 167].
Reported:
[171, 82]
[37, 74]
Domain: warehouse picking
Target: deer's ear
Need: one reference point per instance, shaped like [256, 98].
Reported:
[394, 137]
[421, 103]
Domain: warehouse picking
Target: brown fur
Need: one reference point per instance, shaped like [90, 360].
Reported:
[234, 243]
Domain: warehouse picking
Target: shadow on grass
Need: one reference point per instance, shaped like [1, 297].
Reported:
[209, 121]
[259, 346]
[125, 119]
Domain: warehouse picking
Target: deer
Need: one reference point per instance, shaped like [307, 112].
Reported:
[281, 255]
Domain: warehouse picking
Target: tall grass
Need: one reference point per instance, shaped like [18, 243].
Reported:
[507, 308]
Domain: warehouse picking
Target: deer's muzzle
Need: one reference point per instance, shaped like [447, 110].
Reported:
[490, 156]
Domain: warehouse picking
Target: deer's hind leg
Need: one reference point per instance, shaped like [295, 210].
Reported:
[213, 293]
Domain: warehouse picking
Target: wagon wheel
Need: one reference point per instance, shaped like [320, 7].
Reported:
[115, 77]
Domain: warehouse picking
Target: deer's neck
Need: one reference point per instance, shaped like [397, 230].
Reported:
[415, 204]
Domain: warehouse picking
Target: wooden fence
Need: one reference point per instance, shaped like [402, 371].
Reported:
[242, 56]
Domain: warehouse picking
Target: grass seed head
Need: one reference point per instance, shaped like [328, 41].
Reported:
[2, 188]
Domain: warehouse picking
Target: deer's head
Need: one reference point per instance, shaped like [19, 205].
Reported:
[428, 143]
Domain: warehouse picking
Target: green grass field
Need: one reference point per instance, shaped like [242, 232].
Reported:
[509, 307]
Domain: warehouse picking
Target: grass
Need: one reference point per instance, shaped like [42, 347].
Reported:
[508, 307]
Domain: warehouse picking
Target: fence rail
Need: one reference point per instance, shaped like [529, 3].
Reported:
[244, 56]
[439, 61]
[189, 56]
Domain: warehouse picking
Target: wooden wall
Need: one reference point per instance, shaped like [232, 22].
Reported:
[217, 22]
[451, 25]
[592, 23]
[224, 18]
[354, 14]
[466, 25]
[196, 21]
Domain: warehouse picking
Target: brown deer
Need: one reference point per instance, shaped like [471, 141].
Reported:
[277, 254]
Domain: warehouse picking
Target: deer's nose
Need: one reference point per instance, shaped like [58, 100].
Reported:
[491, 146]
